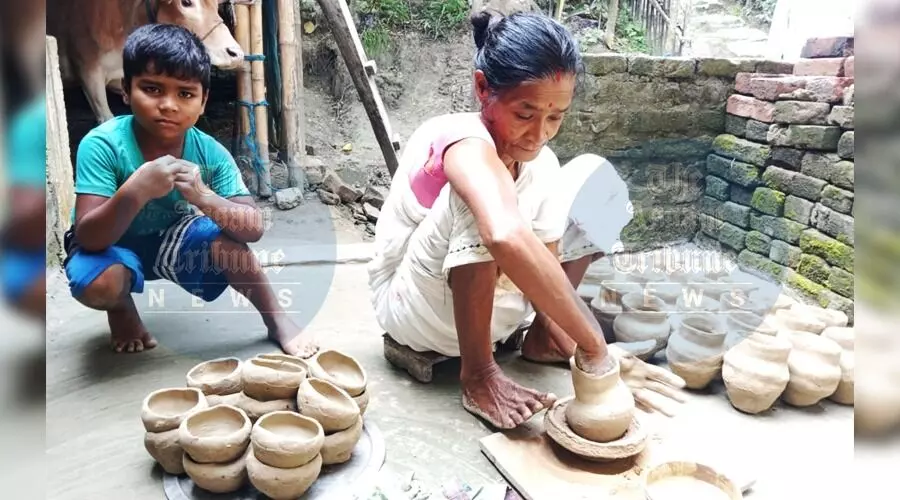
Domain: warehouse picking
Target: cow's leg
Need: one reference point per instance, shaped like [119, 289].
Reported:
[93, 82]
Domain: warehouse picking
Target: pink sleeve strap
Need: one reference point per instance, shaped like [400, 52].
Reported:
[428, 180]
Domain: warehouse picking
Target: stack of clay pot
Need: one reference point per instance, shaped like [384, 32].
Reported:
[286, 454]
[270, 383]
[218, 379]
[695, 350]
[815, 368]
[162, 412]
[337, 413]
[843, 336]
[344, 372]
[215, 442]
[741, 324]
[644, 317]
[756, 372]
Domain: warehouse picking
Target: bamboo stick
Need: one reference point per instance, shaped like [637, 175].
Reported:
[291, 94]
[258, 79]
[242, 35]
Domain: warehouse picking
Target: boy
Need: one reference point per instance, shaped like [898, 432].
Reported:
[137, 175]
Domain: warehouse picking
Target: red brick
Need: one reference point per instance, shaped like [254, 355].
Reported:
[749, 107]
[838, 46]
[769, 88]
[828, 88]
[848, 67]
[831, 66]
[742, 81]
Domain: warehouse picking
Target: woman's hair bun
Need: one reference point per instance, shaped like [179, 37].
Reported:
[481, 25]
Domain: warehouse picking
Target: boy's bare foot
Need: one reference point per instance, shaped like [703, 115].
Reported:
[292, 339]
[127, 331]
[504, 404]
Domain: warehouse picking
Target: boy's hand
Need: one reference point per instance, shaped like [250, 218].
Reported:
[156, 178]
[189, 183]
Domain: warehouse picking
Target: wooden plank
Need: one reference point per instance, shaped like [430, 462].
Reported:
[60, 181]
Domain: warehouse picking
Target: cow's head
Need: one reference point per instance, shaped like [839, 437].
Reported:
[202, 17]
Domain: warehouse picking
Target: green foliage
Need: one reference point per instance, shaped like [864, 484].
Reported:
[375, 40]
[441, 17]
[388, 13]
[630, 36]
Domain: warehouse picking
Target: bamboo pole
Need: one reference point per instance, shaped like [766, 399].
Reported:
[292, 95]
[258, 79]
[242, 34]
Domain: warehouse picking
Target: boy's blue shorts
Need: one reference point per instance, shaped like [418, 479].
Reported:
[180, 254]
[20, 270]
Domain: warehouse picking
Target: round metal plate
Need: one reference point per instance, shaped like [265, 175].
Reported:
[335, 481]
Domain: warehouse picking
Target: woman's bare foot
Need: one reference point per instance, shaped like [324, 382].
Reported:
[127, 331]
[292, 339]
[543, 346]
[491, 395]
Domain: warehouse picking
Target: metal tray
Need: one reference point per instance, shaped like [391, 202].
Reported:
[338, 482]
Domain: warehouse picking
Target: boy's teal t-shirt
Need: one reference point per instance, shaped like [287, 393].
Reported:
[109, 154]
[27, 155]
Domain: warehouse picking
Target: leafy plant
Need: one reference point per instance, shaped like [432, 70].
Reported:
[441, 17]
[375, 40]
[390, 13]
[630, 36]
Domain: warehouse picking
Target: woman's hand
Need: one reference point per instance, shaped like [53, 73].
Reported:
[654, 387]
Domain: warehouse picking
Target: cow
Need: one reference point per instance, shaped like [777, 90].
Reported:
[91, 37]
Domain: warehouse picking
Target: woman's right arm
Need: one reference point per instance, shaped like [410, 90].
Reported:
[483, 183]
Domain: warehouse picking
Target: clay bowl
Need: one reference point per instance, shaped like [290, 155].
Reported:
[268, 379]
[632, 443]
[688, 480]
[286, 439]
[282, 483]
[225, 477]
[217, 376]
[327, 403]
[216, 435]
[165, 409]
[362, 401]
[225, 399]
[165, 449]
[278, 356]
[338, 447]
[256, 409]
[339, 369]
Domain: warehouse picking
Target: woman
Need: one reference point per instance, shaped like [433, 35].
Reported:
[477, 228]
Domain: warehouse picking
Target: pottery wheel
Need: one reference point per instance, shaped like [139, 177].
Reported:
[335, 482]
[632, 443]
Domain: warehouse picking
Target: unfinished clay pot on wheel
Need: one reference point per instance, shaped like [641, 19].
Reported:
[215, 435]
[742, 324]
[165, 409]
[338, 446]
[799, 320]
[166, 450]
[217, 376]
[695, 350]
[815, 365]
[831, 317]
[339, 369]
[630, 444]
[756, 372]
[843, 336]
[278, 483]
[327, 403]
[603, 404]
[286, 439]
[643, 318]
[268, 379]
[256, 409]
[226, 477]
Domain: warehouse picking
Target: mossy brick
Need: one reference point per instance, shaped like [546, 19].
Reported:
[604, 64]
[814, 268]
[743, 150]
[842, 116]
[735, 171]
[776, 227]
[817, 137]
[756, 131]
[837, 199]
[784, 254]
[835, 224]
[845, 145]
[759, 265]
[735, 125]
[806, 187]
[788, 158]
[768, 201]
[801, 112]
[705, 241]
[775, 67]
[803, 285]
[667, 67]
[841, 282]
[842, 174]
[798, 209]
[833, 251]
[717, 187]
[819, 165]
[831, 300]
[726, 233]
[736, 214]
[710, 206]
[758, 242]
[725, 68]
[741, 195]
[778, 178]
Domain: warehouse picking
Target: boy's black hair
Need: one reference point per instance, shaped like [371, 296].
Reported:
[165, 49]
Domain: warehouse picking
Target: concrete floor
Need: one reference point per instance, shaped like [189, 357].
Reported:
[94, 434]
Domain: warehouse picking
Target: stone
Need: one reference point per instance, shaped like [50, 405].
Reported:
[841, 282]
[768, 201]
[833, 251]
[310, 151]
[778, 178]
[842, 175]
[819, 137]
[759, 265]
[784, 253]
[347, 193]
[833, 223]
[742, 80]
[375, 195]
[806, 187]
[314, 169]
[807, 288]
[735, 125]
[741, 195]
[758, 242]
[836, 46]
[828, 88]
[726, 233]
[769, 88]
[328, 197]
[845, 146]
[743, 150]
[777, 227]
[837, 199]
[705, 241]
[730, 212]
[831, 300]
[798, 209]
[372, 213]
[848, 99]
[286, 199]
[750, 107]
[732, 170]
[842, 116]
[604, 64]
[667, 67]
[811, 113]
[775, 67]
[725, 68]
[788, 158]
[814, 268]
[756, 130]
[849, 70]
[819, 165]
[716, 187]
[829, 66]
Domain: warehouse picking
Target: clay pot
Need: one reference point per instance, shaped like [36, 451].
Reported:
[843, 336]
[688, 480]
[217, 376]
[227, 399]
[668, 291]
[779, 301]
[831, 317]
[695, 350]
[603, 405]
[165, 409]
[215, 435]
[742, 324]
[339, 369]
[815, 365]
[646, 276]
[327, 403]
[338, 446]
[756, 372]
[600, 271]
[643, 318]
[278, 356]
[165, 449]
[280, 483]
[286, 439]
[692, 304]
[268, 379]
[362, 401]
[225, 477]
[611, 292]
[799, 320]
[738, 301]
[256, 409]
